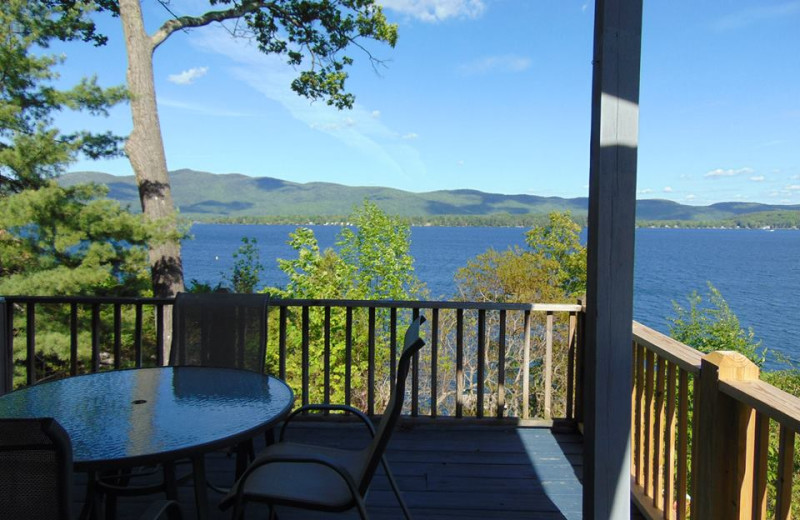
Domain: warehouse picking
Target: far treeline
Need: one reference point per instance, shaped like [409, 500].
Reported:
[760, 220]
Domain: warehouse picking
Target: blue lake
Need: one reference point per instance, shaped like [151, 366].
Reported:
[758, 272]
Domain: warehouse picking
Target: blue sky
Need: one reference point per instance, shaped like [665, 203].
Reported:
[491, 95]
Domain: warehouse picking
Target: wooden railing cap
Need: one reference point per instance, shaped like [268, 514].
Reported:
[732, 366]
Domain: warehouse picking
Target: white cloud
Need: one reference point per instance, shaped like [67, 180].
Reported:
[645, 191]
[757, 178]
[358, 128]
[584, 7]
[691, 196]
[667, 189]
[730, 172]
[209, 110]
[436, 10]
[410, 136]
[506, 63]
[793, 187]
[187, 77]
[754, 15]
[376, 114]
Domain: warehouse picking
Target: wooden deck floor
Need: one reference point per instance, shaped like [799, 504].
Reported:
[457, 472]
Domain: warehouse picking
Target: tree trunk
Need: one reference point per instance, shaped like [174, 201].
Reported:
[145, 150]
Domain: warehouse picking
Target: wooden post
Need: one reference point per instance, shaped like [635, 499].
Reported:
[609, 306]
[725, 443]
[6, 356]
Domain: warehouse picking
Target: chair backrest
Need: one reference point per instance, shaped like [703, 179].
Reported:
[220, 330]
[412, 344]
[35, 469]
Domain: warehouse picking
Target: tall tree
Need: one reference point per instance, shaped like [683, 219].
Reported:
[311, 33]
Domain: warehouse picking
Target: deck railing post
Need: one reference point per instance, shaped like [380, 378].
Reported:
[725, 440]
[6, 356]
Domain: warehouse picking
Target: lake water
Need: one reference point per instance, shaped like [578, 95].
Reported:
[758, 272]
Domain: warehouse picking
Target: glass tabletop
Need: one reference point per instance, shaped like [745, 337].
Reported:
[154, 414]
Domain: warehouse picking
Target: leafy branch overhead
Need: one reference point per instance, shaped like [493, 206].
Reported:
[311, 34]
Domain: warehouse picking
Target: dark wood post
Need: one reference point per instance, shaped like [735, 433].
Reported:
[609, 306]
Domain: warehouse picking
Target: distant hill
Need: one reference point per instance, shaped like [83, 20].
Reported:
[203, 195]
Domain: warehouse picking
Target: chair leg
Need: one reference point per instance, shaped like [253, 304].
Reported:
[393, 483]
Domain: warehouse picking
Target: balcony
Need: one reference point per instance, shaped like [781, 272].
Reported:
[494, 420]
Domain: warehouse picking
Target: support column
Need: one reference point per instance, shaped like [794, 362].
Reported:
[609, 306]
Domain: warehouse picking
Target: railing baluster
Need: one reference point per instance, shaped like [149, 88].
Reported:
[783, 499]
[371, 362]
[571, 353]
[137, 334]
[580, 347]
[30, 333]
[501, 366]
[393, 343]
[648, 423]
[683, 442]
[459, 362]
[117, 336]
[760, 466]
[6, 346]
[306, 360]
[526, 366]
[434, 360]
[95, 337]
[669, 455]
[639, 444]
[160, 335]
[327, 354]
[415, 376]
[548, 367]
[658, 437]
[282, 319]
[481, 359]
[348, 353]
[73, 339]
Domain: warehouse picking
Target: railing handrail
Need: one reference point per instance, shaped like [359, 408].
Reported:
[782, 407]
[324, 302]
[730, 464]
[673, 350]
[88, 300]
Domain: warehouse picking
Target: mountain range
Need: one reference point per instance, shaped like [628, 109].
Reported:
[203, 195]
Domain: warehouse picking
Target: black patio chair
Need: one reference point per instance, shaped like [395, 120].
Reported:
[323, 478]
[220, 330]
[36, 477]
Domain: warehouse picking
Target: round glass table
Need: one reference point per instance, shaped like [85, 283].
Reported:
[125, 418]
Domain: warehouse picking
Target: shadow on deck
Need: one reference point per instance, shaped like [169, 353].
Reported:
[457, 472]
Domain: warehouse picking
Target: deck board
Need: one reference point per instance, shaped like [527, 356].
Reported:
[455, 472]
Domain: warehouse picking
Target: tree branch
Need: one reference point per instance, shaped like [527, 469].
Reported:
[184, 22]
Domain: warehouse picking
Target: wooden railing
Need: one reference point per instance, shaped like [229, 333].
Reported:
[701, 434]
[334, 350]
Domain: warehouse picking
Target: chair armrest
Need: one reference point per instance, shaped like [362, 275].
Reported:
[329, 408]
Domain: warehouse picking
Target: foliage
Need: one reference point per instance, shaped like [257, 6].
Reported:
[246, 266]
[70, 241]
[551, 269]
[31, 151]
[376, 253]
[373, 263]
[560, 242]
[712, 325]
